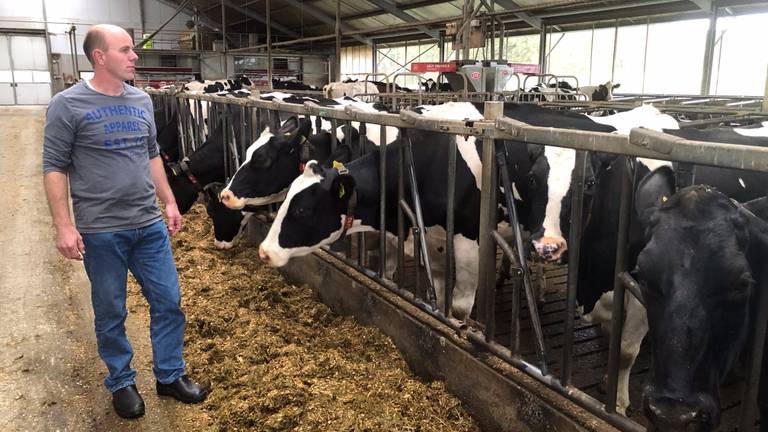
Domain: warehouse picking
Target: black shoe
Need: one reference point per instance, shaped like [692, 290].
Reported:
[182, 390]
[128, 403]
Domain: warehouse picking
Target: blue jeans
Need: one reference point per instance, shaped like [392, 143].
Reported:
[146, 252]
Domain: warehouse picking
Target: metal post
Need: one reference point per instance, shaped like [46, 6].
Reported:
[574, 250]
[615, 40]
[520, 261]
[543, 49]
[337, 58]
[617, 316]
[450, 262]
[468, 4]
[765, 98]
[382, 201]
[269, 45]
[709, 53]
[400, 216]
[756, 361]
[224, 36]
[487, 252]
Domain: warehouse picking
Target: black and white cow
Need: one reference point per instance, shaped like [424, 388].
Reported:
[705, 260]
[317, 209]
[431, 86]
[602, 92]
[274, 160]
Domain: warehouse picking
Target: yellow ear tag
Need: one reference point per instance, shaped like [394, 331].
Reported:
[338, 165]
[341, 190]
[664, 199]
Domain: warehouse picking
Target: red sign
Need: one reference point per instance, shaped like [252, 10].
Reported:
[525, 68]
[475, 75]
[433, 67]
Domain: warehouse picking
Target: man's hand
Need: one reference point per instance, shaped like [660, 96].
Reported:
[69, 242]
[174, 218]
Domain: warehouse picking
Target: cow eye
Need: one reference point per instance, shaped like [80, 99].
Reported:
[299, 212]
[532, 181]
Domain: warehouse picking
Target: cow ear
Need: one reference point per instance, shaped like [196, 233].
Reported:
[652, 191]
[615, 86]
[289, 127]
[342, 187]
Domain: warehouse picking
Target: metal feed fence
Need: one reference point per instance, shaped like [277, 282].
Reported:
[495, 127]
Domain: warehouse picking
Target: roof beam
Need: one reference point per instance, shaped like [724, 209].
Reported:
[705, 5]
[532, 21]
[320, 15]
[211, 24]
[249, 13]
[405, 16]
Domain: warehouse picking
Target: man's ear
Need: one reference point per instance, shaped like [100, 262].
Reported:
[652, 191]
[342, 187]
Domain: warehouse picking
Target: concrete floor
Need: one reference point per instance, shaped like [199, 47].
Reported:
[50, 374]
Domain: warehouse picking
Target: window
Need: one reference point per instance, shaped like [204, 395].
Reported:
[569, 54]
[675, 69]
[740, 60]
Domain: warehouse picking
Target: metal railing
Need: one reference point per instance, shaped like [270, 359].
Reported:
[493, 130]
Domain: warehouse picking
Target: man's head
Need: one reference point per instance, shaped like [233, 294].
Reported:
[109, 48]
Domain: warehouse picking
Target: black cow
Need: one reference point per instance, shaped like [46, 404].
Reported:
[205, 165]
[227, 223]
[704, 262]
[168, 140]
[600, 234]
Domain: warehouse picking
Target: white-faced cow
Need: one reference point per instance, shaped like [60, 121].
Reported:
[602, 92]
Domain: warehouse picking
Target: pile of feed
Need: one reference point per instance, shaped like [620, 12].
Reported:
[278, 360]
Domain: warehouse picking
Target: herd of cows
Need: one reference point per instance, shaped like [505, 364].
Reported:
[699, 252]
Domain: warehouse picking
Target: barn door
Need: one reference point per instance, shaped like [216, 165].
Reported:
[24, 75]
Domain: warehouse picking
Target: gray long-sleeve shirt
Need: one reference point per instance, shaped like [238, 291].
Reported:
[104, 144]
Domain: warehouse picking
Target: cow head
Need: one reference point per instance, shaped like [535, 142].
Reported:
[697, 278]
[604, 92]
[529, 169]
[227, 223]
[313, 215]
[271, 163]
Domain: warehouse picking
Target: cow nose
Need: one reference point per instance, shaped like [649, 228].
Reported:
[225, 195]
[263, 254]
[668, 414]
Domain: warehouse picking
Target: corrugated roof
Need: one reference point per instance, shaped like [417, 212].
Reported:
[316, 17]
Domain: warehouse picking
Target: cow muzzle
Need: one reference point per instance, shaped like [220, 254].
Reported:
[667, 414]
[230, 200]
[550, 248]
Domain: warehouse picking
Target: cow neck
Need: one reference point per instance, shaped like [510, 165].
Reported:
[183, 168]
[305, 153]
[364, 202]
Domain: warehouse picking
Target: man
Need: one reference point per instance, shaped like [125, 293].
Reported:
[100, 141]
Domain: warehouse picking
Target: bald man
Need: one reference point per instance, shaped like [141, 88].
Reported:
[100, 142]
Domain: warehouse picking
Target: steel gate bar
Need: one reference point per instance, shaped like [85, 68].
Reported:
[419, 220]
[574, 254]
[450, 216]
[361, 250]
[617, 316]
[382, 202]
[519, 259]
